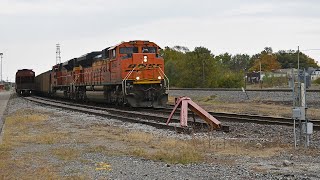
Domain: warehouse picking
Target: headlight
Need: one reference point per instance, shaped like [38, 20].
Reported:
[137, 78]
[145, 58]
[159, 77]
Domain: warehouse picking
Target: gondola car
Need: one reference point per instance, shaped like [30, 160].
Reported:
[25, 84]
[130, 73]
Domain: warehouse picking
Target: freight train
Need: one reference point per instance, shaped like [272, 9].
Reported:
[130, 73]
[25, 82]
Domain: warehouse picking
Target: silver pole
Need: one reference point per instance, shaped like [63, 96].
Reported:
[293, 101]
[294, 133]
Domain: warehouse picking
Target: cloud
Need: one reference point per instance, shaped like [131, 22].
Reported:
[31, 28]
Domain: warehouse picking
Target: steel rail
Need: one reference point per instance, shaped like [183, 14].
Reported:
[239, 89]
[123, 115]
[247, 118]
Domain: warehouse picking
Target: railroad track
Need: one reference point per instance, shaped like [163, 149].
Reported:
[158, 117]
[239, 89]
[245, 118]
[121, 114]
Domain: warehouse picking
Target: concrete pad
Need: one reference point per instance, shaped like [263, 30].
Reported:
[4, 97]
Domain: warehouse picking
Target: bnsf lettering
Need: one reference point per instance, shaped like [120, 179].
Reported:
[131, 66]
[140, 66]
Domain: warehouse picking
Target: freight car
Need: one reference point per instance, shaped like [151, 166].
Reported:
[130, 73]
[42, 83]
[25, 84]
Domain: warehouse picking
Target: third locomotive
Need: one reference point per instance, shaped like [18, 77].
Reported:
[128, 73]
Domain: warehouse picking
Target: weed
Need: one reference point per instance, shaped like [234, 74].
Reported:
[66, 153]
[139, 137]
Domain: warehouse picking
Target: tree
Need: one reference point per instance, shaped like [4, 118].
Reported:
[224, 59]
[173, 62]
[289, 59]
[239, 62]
[267, 60]
[197, 67]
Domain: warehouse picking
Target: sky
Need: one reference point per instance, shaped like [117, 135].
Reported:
[30, 29]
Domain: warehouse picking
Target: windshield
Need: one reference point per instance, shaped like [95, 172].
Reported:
[149, 49]
[128, 50]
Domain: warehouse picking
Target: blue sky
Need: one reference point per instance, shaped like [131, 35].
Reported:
[30, 29]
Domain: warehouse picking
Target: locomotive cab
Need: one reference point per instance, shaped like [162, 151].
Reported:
[143, 80]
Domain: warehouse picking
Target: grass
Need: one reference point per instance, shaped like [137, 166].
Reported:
[139, 137]
[165, 149]
[254, 106]
[28, 129]
[171, 150]
[66, 154]
[21, 129]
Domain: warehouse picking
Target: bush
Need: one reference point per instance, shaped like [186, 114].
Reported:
[271, 81]
[317, 81]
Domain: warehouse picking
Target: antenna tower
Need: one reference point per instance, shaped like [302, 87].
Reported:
[58, 57]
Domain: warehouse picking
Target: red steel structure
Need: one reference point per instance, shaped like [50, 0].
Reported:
[185, 103]
[128, 73]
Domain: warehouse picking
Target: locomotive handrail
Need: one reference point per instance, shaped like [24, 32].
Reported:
[124, 81]
[166, 78]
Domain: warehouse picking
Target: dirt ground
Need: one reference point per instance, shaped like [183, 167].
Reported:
[45, 144]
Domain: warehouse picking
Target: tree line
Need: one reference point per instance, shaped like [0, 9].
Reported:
[200, 68]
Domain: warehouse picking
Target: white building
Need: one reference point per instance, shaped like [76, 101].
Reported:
[315, 74]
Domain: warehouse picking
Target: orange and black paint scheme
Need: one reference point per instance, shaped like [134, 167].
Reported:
[129, 73]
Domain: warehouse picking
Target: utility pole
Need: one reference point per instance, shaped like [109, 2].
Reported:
[203, 83]
[298, 60]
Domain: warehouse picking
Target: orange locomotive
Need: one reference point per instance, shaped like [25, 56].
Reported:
[128, 73]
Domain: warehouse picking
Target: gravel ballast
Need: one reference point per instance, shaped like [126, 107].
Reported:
[285, 165]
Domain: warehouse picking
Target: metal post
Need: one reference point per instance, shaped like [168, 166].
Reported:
[293, 103]
[305, 106]
[260, 75]
[294, 134]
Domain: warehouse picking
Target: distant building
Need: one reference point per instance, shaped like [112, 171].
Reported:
[315, 74]
[254, 77]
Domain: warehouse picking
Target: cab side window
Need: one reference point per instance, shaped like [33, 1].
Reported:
[113, 53]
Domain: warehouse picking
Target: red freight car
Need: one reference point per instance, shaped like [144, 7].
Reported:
[25, 84]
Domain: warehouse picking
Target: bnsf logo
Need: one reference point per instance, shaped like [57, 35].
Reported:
[144, 66]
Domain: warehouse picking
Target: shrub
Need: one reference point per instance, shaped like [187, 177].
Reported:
[317, 81]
